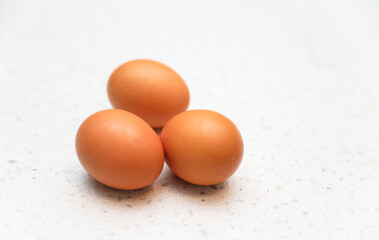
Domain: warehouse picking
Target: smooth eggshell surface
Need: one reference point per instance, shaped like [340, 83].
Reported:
[119, 149]
[149, 89]
[202, 147]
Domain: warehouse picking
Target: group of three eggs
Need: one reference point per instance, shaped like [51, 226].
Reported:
[119, 147]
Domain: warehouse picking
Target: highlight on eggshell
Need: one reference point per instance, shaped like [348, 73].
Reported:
[149, 89]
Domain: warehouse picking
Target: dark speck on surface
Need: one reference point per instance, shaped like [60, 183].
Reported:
[165, 184]
[128, 205]
[12, 161]
[202, 193]
[213, 187]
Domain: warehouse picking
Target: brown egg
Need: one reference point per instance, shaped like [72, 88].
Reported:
[119, 149]
[149, 89]
[202, 147]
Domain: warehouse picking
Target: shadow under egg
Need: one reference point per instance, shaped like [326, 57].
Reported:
[158, 131]
[128, 198]
[207, 194]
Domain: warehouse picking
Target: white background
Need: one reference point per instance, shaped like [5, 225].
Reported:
[299, 79]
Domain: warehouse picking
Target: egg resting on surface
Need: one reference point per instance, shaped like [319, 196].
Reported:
[202, 147]
[149, 89]
[119, 149]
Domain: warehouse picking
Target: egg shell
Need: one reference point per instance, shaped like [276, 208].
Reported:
[119, 149]
[149, 89]
[202, 147]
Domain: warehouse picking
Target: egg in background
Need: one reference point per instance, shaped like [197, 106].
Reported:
[149, 89]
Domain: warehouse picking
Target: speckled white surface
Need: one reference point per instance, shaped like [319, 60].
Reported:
[299, 78]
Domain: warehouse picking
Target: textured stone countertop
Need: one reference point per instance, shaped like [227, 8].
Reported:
[299, 78]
